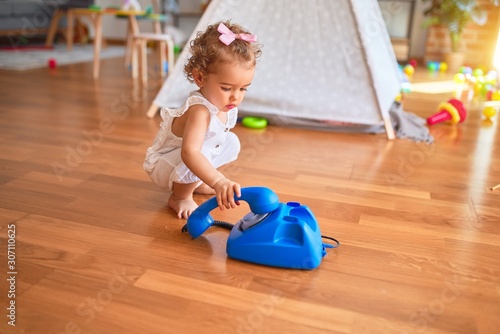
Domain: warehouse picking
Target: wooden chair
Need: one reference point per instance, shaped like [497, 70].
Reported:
[137, 45]
[133, 28]
[140, 57]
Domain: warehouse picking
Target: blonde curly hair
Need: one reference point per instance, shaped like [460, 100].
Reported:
[207, 51]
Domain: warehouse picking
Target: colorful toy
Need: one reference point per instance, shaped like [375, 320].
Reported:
[482, 84]
[489, 95]
[406, 87]
[254, 122]
[413, 63]
[453, 110]
[495, 96]
[491, 76]
[478, 72]
[435, 66]
[405, 81]
[432, 66]
[409, 70]
[489, 112]
[95, 8]
[273, 233]
[443, 67]
[52, 63]
[131, 5]
[459, 78]
[466, 70]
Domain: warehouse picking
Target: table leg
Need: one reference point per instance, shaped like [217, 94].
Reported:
[69, 29]
[129, 47]
[97, 45]
[132, 29]
[54, 24]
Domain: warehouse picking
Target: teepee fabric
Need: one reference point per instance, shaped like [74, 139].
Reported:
[323, 60]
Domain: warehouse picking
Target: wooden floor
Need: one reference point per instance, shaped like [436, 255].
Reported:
[97, 250]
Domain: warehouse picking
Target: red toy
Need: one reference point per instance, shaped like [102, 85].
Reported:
[52, 63]
[453, 110]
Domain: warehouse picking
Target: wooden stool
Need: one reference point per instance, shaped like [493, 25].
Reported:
[139, 46]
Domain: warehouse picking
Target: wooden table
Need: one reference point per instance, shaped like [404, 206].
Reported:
[96, 17]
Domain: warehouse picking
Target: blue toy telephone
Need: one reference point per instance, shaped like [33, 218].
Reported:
[273, 233]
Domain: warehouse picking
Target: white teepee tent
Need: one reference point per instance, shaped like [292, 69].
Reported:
[323, 61]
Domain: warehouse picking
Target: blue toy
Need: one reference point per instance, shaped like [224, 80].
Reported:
[273, 233]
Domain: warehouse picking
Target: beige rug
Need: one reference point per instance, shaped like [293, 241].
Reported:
[22, 60]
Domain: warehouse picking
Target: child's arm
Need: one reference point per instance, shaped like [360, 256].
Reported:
[192, 142]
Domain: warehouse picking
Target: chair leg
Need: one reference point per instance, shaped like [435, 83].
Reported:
[170, 55]
[162, 48]
[144, 60]
[135, 55]
[69, 29]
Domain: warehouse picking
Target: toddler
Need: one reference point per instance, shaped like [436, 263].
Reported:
[194, 140]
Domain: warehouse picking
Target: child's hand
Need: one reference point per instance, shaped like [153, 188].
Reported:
[225, 190]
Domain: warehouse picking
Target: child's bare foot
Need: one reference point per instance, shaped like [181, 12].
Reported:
[204, 189]
[182, 206]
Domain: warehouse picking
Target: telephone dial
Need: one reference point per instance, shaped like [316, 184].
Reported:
[272, 233]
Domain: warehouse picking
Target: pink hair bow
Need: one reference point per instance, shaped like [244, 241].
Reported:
[227, 36]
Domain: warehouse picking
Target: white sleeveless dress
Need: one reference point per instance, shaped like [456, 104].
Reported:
[163, 161]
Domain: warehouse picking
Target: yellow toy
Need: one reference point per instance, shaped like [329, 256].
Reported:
[443, 67]
[496, 95]
[409, 70]
[459, 78]
[489, 112]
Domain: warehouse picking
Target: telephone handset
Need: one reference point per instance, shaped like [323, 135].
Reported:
[261, 200]
[273, 233]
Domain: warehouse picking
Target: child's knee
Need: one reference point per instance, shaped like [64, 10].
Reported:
[233, 144]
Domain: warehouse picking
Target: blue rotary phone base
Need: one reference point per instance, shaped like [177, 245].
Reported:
[273, 233]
